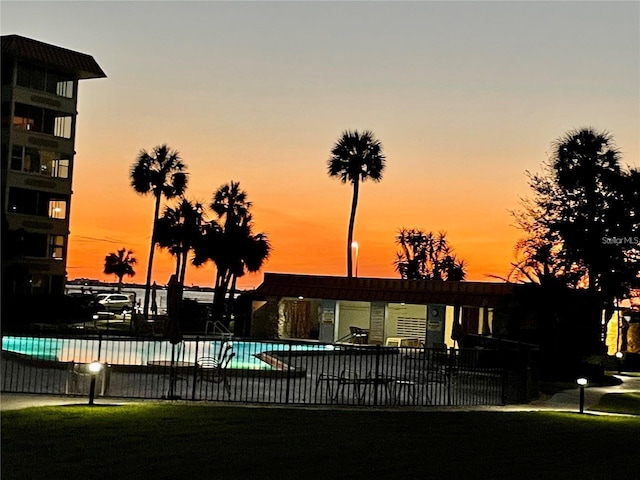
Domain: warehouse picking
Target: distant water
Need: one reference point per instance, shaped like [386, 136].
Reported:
[161, 294]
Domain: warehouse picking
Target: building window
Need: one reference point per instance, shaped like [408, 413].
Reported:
[39, 284]
[44, 162]
[24, 117]
[6, 114]
[34, 245]
[43, 120]
[58, 209]
[60, 167]
[6, 70]
[34, 202]
[23, 79]
[56, 247]
[16, 158]
[38, 78]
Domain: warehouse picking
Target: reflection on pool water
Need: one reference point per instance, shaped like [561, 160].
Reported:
[144, 352]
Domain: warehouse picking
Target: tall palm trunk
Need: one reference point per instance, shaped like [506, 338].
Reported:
[232, 298]
[352, 220]
[218, 296]
[147, 287]
[183, 268]
[178, 263]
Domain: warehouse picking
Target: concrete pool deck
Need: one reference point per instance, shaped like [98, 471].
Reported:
[566, 400]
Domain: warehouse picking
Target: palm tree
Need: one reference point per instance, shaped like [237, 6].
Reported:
[178, 230]
[586, 164]
[231, 244]
[161, 173]
[120, 264]
[354, 158]
[427, 256]
[230, 203]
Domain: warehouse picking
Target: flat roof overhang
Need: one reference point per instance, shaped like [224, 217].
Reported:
[419, 292]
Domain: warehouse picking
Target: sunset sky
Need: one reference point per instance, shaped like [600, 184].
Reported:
[464, 96]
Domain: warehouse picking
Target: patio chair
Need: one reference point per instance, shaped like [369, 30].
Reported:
[214, 369]
[426, 377]
[359, 335]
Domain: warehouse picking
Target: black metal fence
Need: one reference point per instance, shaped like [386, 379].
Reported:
[257, 372]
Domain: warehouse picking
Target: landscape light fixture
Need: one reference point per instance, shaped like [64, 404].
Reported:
[582, 382]
[94, 369]
[619, 357]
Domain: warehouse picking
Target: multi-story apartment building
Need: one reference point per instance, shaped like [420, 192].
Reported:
[39, 99]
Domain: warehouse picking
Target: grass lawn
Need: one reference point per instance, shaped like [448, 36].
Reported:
[170, 441]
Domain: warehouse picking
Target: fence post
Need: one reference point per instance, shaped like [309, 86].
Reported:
[448, 373]
[286, 399]
[505, 373]
[99, 345]
[375, 378]
[195, 370]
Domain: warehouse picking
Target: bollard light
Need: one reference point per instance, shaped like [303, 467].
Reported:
[94, 369]
[582, 382]
[619, 357]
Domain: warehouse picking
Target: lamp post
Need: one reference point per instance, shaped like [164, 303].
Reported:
[94, 369]
[356, 247]
[582, 382]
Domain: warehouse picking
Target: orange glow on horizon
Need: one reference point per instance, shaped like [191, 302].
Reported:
[311, 241]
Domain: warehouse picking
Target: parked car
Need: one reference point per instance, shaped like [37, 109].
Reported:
[114, 302]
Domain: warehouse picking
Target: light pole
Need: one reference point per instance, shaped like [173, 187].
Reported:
[356, 247]
[582, 382]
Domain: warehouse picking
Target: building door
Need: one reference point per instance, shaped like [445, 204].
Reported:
[470, 320]
[297, 318]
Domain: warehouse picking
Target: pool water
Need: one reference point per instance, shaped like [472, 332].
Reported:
[144, 352]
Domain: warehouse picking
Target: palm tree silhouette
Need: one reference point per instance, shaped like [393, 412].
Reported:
[427, 256]
[161, 173]
[178, 231]
[354, 158]
[231, 244]
[120, 264]
[587, 165]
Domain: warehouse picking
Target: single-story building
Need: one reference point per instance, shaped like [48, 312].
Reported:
[388, 311]
[565, 324]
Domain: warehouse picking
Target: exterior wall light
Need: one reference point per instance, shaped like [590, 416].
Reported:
[582, 382]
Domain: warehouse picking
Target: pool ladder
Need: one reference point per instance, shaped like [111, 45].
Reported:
[218, 330]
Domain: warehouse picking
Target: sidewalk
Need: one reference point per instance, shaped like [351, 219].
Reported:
[567, 400]
[17, 401]
[570, 399]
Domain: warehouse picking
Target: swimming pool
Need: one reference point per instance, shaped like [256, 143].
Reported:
[118, 351]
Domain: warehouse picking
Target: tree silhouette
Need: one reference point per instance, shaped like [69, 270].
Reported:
[178, 230]
[161, 173]
[427, 256]
[120, 264]
[583, 221]
[355, 158]
[231, 244]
